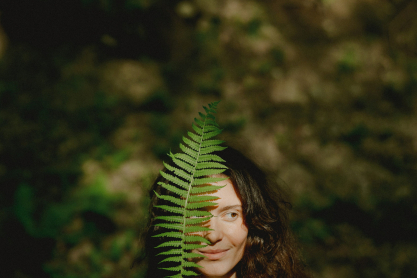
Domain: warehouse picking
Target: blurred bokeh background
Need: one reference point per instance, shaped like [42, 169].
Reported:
[94, 93]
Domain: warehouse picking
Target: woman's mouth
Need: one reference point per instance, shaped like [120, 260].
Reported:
[214, 254]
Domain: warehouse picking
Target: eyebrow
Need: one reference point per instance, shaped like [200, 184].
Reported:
[229, 207]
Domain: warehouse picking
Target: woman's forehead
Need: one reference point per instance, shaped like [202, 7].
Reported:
[227, 195]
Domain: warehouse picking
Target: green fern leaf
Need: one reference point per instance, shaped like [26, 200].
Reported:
[193, 221]
[193, 255]
[200, 205]
[171, 252]
[178, 172]
[211, 149]
[170, 243]
[208, 172]
[190, 177]
[204, 165]
[205, 189]
[191, 264]
[174, 189]
[193, 246]
[176, 219]
[193, 238]
[211, 134]
[170, 234]
[191, 143]
[172, 199]
[197, 198]
[198, 130]
[208, 143]
[179, 161]
[201, 181]
[175, 180]
[171, 209]
[189, 151]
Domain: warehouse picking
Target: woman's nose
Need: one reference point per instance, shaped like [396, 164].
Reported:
[217, 233]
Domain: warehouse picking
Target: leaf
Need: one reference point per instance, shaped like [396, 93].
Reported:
[198, 213]
[193, 221]
[178, 172]
[170, 243]
[200, 205]
[174, 189]
[206, 180]
[194, 238]
[193, 255]
[189, 176]
[208, 172]
[208, 157]
[170, 226]
[211, 134]
[193, 246]
[170, 234]
[177, 219]
[208, 143]
[204, 165]
[171, 252]
[190, 161]
[196, 138]
[206, 189]
[172, 199]
[175, 180]
[191, 143]
[171, 209]
[189, 151]
[184, 165]
[191, 264]
[196, 198]
[212, 149]
[198, 130]
[196, 229]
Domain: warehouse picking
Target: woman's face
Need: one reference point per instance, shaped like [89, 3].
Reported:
[228, 239]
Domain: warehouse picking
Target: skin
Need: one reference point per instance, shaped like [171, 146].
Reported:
[228, 240]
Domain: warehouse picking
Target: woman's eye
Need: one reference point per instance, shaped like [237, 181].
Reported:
[231, 215]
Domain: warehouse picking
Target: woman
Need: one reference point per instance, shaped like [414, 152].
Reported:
[251, 236]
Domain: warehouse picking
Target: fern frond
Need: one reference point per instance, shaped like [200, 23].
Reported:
[190, 176]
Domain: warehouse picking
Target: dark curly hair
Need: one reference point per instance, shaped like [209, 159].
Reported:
[271, 250]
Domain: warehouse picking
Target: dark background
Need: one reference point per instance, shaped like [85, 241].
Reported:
[94, 93]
